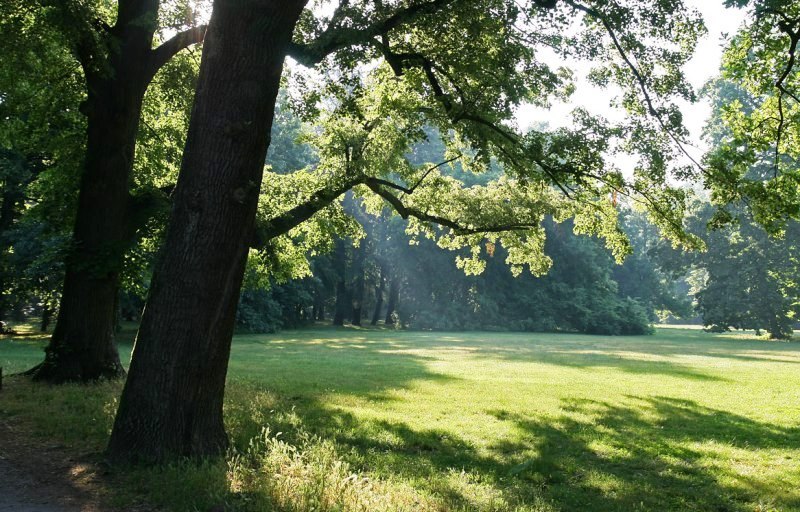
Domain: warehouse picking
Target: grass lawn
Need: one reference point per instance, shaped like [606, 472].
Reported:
[385, 420]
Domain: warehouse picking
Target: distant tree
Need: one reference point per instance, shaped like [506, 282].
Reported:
[750, 279]
[641, 278]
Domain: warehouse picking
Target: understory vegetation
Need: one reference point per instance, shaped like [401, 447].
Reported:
[378, 420]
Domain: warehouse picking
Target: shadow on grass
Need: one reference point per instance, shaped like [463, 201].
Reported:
[349, 365]
[656, 453]
[649, 454]
[644, 454]
[580, 350]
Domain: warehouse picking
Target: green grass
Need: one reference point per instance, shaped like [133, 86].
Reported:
[388, 420]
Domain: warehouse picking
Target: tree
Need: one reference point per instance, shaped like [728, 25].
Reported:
[461, 66]
[749, 277]
[752, 170]
[641, 277]
[118, 63]
[756, 129]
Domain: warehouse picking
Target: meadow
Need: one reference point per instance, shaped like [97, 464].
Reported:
[351, 419]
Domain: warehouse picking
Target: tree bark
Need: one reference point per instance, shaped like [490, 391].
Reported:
[82, 347]
[394, 295]
[172, 401]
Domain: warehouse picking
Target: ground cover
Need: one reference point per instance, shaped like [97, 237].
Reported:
[352, 419]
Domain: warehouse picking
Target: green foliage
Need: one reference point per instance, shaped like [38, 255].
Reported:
[577, 294]
[43, 89]
[369, 117]
[756, 126]
[751, 279]
[642, 277]
[280, 306]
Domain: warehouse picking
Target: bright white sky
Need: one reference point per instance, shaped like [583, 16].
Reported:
[701, 68]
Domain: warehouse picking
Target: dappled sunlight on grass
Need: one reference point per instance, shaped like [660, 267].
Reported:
[340, 419]
[683, 419]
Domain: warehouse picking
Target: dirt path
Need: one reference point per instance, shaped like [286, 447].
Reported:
[44, 478]
[22, 493]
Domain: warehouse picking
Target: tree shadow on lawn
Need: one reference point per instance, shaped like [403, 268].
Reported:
[658, 453]
[351, 365]
[654, 453]
[641, 455]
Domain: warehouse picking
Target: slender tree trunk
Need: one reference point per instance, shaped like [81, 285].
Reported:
[47, 316]
[357, 299]
[318, 310]
[379, 289]
[394, 295]
[172, 401]
[340, 312]
[340, 264]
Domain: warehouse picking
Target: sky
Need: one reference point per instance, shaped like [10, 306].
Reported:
[704, 66]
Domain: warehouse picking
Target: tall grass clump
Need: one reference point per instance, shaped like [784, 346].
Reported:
[309, 476]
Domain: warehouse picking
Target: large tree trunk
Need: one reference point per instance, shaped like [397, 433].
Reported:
[82, 347]
[172, 401]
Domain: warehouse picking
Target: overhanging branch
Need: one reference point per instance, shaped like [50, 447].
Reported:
[290, 219]
[408, 211]
[337, 37]
[169, 48]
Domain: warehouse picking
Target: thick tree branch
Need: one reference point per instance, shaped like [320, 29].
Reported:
[337, 37]
[405, 212]
[290, 219]
[169, 48]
